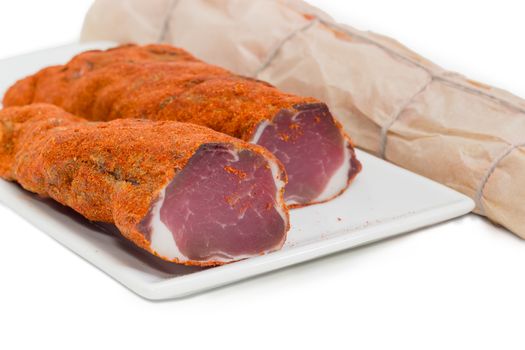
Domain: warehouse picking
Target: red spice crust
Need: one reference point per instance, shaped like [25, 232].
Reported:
[106, 171]
[157, 82]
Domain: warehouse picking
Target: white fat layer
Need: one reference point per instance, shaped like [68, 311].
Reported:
[259, 131]
[276, 171]
[279, 184]
[163, 242]
[339, 180]
[275, 168]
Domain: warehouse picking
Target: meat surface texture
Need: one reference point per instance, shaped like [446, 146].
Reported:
[181, 191]
[161, 82]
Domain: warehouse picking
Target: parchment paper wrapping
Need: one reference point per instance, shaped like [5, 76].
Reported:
[393, 103]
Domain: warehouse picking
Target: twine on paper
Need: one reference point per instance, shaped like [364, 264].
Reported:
[432, 77]
[491, 169]
[385, 128]
[164, 29]
[273, 53]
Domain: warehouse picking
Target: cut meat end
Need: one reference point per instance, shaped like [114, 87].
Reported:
[319, 160]
[225, 205]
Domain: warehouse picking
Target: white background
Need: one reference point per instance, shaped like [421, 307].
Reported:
[458, 285]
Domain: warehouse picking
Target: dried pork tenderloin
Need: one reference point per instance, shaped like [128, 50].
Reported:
[161, 82]
[181, 191]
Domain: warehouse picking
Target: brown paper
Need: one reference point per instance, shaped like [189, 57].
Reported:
[393, 102]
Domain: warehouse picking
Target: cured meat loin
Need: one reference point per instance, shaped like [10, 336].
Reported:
[181, 191]
[161, 82]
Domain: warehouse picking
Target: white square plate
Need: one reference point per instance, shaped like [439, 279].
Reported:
[383, 201]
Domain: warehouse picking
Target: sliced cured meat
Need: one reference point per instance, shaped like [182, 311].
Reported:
[220, 207]
[180, 191]
[319, 160]
[161, 82]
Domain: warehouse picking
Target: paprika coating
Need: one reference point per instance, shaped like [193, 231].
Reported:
[161, 82]
[182, 192]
